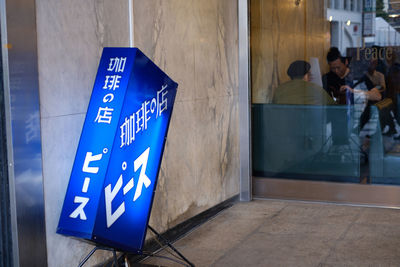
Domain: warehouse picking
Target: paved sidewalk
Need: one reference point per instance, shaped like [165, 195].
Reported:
[288, 233]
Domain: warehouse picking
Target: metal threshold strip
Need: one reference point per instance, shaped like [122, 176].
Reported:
[344, 193]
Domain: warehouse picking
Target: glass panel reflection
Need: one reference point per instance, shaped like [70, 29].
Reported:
[325, 90]
[306, 141]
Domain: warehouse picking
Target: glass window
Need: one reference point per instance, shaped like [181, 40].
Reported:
[324, 96]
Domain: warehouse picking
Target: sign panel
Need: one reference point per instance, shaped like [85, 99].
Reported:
[114, 176]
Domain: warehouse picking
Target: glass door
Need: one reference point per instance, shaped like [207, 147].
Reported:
[325, 81]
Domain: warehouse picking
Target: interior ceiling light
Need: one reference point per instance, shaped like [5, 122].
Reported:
[348, 23]
[330, 18]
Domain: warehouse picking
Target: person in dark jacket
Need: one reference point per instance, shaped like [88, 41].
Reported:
[339, 77]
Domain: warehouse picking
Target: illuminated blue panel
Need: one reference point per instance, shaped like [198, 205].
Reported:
[111, 189]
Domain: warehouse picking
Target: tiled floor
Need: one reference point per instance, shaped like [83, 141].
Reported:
[288, 233]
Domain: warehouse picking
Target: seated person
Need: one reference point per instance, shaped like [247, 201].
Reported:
[375, 79]
[299, 90]
[339, 76]
[338, 83]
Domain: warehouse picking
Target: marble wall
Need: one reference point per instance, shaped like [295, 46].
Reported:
[281, 33]
[195, 42]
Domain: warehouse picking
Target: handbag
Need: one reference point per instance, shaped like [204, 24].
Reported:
[385, 106]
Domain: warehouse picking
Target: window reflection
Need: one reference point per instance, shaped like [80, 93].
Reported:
[325, 91]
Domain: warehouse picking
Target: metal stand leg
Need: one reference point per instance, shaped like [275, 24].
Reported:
[115, 258]
[88, 256]
[169, 245]
[102, 248]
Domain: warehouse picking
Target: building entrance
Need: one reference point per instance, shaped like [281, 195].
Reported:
[325, 124]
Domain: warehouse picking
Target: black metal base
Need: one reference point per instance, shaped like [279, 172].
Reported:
[172, 234]
[115, 259]
[100, 248]
[183, 228]
[161, 238]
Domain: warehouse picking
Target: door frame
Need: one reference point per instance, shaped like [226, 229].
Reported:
[257, 187]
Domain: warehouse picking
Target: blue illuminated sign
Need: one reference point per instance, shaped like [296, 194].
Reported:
[114, 176]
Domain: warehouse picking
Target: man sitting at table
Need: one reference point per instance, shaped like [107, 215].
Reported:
[339, 77]
[299, 90]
